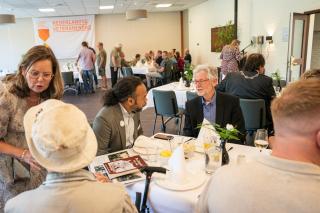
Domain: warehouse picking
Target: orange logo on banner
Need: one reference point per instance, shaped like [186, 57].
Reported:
[43, 32]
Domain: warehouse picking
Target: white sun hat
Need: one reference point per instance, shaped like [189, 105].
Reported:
[59, 136]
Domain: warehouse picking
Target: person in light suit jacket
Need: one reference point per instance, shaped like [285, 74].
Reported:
[216, 107]
[117, 124]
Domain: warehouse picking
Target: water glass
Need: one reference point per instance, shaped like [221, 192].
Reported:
[152, 154]
[213, 156]
[261, 139]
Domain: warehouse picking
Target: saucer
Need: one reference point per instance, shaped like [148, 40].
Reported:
[192, 182]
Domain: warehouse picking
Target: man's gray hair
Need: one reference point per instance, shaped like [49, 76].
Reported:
[210, 70]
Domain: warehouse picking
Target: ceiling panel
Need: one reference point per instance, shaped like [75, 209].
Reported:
[29, 8]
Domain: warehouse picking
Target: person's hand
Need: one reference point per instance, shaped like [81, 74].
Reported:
[27, 157]
[101, 178]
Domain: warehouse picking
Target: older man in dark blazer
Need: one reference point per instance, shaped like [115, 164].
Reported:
[117, 124]
[216, 107]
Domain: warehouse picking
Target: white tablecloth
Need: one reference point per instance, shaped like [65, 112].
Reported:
[143, 70]
[164, 200]
[180, 91]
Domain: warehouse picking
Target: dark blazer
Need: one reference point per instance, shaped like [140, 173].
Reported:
[228, 111]
[259, 87]
[111, 137]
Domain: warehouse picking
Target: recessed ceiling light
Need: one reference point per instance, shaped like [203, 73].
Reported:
[163, 5]
[46, 10]
[106, 7]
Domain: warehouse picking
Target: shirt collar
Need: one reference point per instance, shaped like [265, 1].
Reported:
[57, 177]
[125, 112]
[289, 165]
[213, 100]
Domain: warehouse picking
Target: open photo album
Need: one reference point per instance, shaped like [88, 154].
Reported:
[119, 167]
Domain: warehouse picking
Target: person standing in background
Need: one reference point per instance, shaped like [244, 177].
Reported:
[230, 56]
[87, 59]
[115, 63]
[94, 73]
[187, 57]
[101, 62]
[38, 79]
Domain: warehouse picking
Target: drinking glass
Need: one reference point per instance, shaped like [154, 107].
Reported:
[261, 139]
[213, 157]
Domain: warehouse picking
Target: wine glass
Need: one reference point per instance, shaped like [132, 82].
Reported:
[261, 139]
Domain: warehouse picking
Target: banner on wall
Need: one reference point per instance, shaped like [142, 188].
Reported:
[64, 34]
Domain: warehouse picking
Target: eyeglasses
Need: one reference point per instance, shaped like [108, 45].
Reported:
[200, 81]
[36, 75]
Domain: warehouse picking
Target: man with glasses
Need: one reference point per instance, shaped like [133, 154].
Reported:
[214, 106]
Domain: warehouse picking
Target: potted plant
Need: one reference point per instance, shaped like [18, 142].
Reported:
[188, 74]
[225, 134]
[276, 77]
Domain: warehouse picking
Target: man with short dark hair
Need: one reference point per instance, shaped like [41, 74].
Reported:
[117, 124]
[288, 180]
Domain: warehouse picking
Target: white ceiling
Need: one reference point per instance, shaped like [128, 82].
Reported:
[29, 8]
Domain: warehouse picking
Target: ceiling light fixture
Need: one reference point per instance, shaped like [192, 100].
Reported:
[136, 14]
[46, 10]
[106, 7]
[7, 19]
[163, 5]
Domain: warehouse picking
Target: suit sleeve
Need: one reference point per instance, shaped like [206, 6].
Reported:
[222, 85]
[187, 129]
[238, 120]
[270, 90]
[102, 130]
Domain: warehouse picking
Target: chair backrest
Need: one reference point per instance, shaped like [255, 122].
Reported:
[165, 103]
[191, 95]
[254, 113]
[283, 83]
[127, 71]
[68, 78]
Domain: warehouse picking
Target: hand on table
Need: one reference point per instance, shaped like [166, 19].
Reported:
[101, 178]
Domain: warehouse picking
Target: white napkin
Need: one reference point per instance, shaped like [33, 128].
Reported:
[208, 132]
[177, 166]
[144, 142]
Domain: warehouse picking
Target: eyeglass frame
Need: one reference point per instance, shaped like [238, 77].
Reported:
[200, 81]
[39, 74]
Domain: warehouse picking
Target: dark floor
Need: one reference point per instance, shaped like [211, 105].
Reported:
[90, 104]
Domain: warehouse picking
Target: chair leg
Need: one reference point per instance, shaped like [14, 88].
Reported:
[154, 124]
[163, 124]
[180, 125]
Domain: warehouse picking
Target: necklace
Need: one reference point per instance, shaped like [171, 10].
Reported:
[249, 77]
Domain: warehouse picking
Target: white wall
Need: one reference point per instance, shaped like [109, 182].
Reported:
[158, 31]
[15, 40]
[255, 17]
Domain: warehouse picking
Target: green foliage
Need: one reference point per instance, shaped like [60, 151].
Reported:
[226, 133]
[276, 75]
[188, 72]
[225, 35]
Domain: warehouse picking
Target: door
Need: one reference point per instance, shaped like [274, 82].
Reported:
[298, 46]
